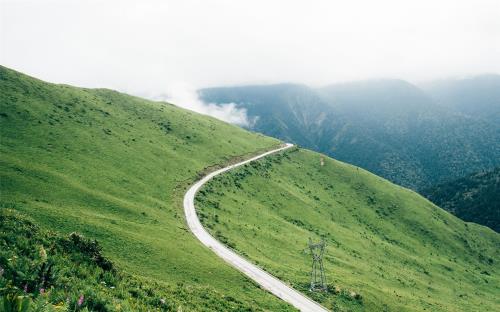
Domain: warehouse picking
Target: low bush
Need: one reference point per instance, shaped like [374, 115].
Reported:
[46, 271]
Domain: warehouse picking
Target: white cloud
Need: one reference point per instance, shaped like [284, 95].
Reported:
[186, 96]
[138, 46]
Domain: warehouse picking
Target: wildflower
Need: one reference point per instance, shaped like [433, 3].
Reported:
[1, 271]
[42, 291]
[43, 253]
[162, 301]
[80, 300]
[25, 288]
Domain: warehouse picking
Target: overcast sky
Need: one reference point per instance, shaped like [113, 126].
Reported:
[147, 46]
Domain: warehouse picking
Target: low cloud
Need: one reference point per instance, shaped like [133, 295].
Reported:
[186, 96]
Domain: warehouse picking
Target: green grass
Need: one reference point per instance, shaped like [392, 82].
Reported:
[388, 244]
[114, 168]
[71, 269]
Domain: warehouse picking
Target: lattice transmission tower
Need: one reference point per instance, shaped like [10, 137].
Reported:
[318, 280]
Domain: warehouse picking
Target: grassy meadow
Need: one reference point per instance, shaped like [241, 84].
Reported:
[388, 248]
[114, 168]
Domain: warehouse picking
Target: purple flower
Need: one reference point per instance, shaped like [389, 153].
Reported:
[80, 300]
[42, 291]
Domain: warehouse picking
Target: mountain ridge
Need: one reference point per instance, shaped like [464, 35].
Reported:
[411, 140]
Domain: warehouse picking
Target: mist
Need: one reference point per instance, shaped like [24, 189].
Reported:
[186, 96]
[147, 47]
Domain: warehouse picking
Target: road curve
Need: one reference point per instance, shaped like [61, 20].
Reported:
[264, 279]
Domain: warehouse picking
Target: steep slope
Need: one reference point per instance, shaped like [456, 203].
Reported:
[474, 198]
[114, 168]
[388, 249]
[259, 276]
[388, 127]
[72, 269]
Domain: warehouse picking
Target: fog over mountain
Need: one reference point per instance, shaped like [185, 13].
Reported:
[478, 96]
[152, 47]
[406, 89]
[147, 46]
[390, 127]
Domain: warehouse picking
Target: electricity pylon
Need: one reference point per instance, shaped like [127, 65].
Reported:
[318, 280]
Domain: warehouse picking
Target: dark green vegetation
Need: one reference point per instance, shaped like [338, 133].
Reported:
[474, 198]
[389, 127]
[47, 271]
[389, 245]
[114, 168]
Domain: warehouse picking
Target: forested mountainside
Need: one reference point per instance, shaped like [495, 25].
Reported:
[474, 198]
[476, 96]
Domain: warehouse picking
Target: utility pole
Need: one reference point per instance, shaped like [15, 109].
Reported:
[318, 280]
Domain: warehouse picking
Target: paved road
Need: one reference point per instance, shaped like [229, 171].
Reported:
[264, 279]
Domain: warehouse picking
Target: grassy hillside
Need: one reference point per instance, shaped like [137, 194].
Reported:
[114, 168]
[73, 274]
[474, 198]
[388, 249]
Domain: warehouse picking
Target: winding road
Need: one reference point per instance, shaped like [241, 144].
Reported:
[261, 277]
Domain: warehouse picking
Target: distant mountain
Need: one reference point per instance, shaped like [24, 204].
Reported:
[474, 198]
[478, 96]
[389, 127]
[291, 112]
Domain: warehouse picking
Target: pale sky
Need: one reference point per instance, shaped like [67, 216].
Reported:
[143, 47]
